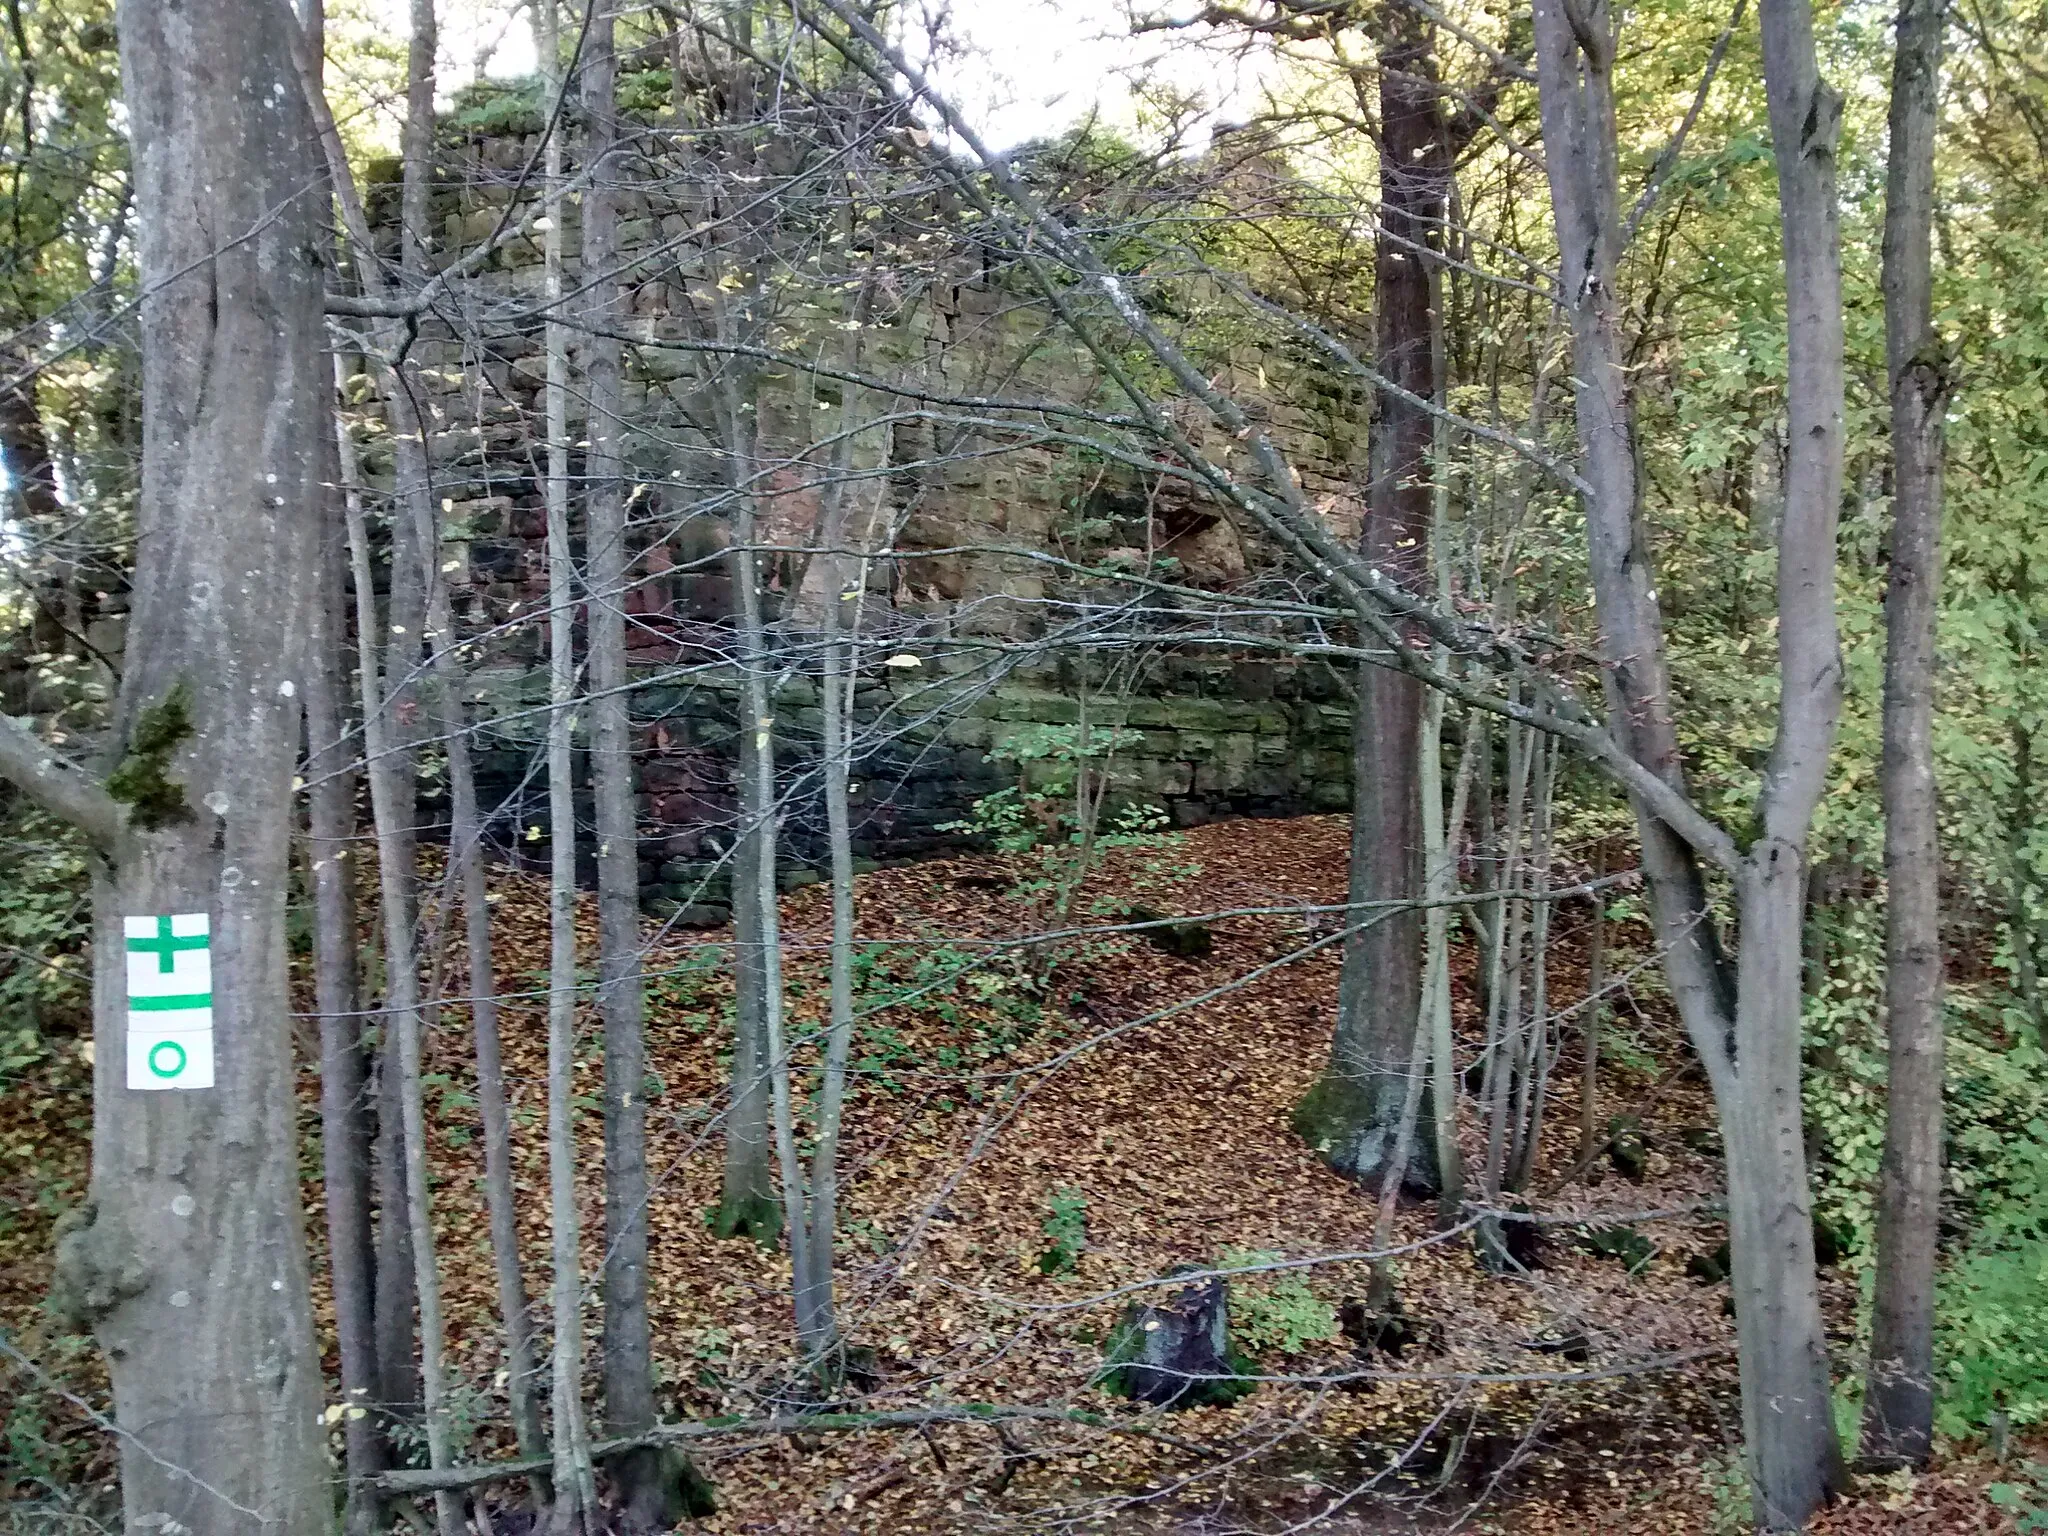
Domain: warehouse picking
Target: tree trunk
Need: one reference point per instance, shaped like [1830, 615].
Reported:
[758, 890]
[575, 1484]
[1532, 1093]
[1747, 1036]
[747, 1206]
[188, 1258]
[465, 846]
[344, 1055]
[1898, 1402]
[845, 578]
[402, 1019]
[398, 1376]
[1354, 1113]
[1596, 984]
[815, 1302]
[628, 1345]
[466, 859]
[1787, 1405]
[1441, 846]
[1578, 134]
[747, 1203]
[416, 144]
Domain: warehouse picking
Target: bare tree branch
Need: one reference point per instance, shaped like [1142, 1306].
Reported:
[59, 786]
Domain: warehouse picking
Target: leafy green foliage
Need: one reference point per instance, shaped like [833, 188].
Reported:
[2028, 1500]
[1726, 1484]
[45, 921]
[489, 108]
[1625, 1245]
[983, 1005]
[1993, 1307]
[1274, 1312]
[1066, 1230]
[679, 993]
[1050, 760]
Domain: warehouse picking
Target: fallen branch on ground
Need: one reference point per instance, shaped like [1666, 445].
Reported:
[420, 1480]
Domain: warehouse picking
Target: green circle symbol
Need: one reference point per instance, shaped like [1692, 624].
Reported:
[158, 1049]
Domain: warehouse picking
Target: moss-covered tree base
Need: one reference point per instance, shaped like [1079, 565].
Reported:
[756, 1216]
[1354, 1131]
[662, 1488]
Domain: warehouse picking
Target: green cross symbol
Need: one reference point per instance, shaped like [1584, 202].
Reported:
[165, 945]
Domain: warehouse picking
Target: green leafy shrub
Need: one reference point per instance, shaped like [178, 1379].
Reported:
[989, 1001]
[1274, 1312]
[488, 108]
[1066, 1229]
[2027, 1500]
[1625, 1245]
[1039, 809]
[1993, 1338]
[45, 920]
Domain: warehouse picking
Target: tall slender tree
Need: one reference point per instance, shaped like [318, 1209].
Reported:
[575, 1489]
[345, 1053]
[1898, 1401]
[1380, 988]
[1743, 1017]
[346, 1049]
[649, 1476]
[188, 1256]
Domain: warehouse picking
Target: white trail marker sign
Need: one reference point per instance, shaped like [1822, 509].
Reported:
[170, 1001]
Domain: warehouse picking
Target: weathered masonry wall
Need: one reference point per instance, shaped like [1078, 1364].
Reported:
[1199, 739]
[951, 497]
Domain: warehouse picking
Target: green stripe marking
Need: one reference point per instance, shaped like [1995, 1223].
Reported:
[165, 945]
[171, 1004]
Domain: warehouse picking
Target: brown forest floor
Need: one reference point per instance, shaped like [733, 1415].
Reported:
[969, 1116]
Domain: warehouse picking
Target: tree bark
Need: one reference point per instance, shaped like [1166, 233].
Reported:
[756, 887]
[1577, 107]
[1441, 845]
[1532, 1092]
[402, 1016]
[1747, 1036]
[188, 1258]
[416, 144]
[1596, 984]
[466, 856]
[845, 578]
[465, 841]
[747, 1202]
[747, 1206]
[344, 1054]
[628, 1345]
[1898, 1401]
[1787, 1391]
[575, 1484]
[1380, 988]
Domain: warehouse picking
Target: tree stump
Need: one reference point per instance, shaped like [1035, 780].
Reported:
[1189, 940]
[1177, 1354]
